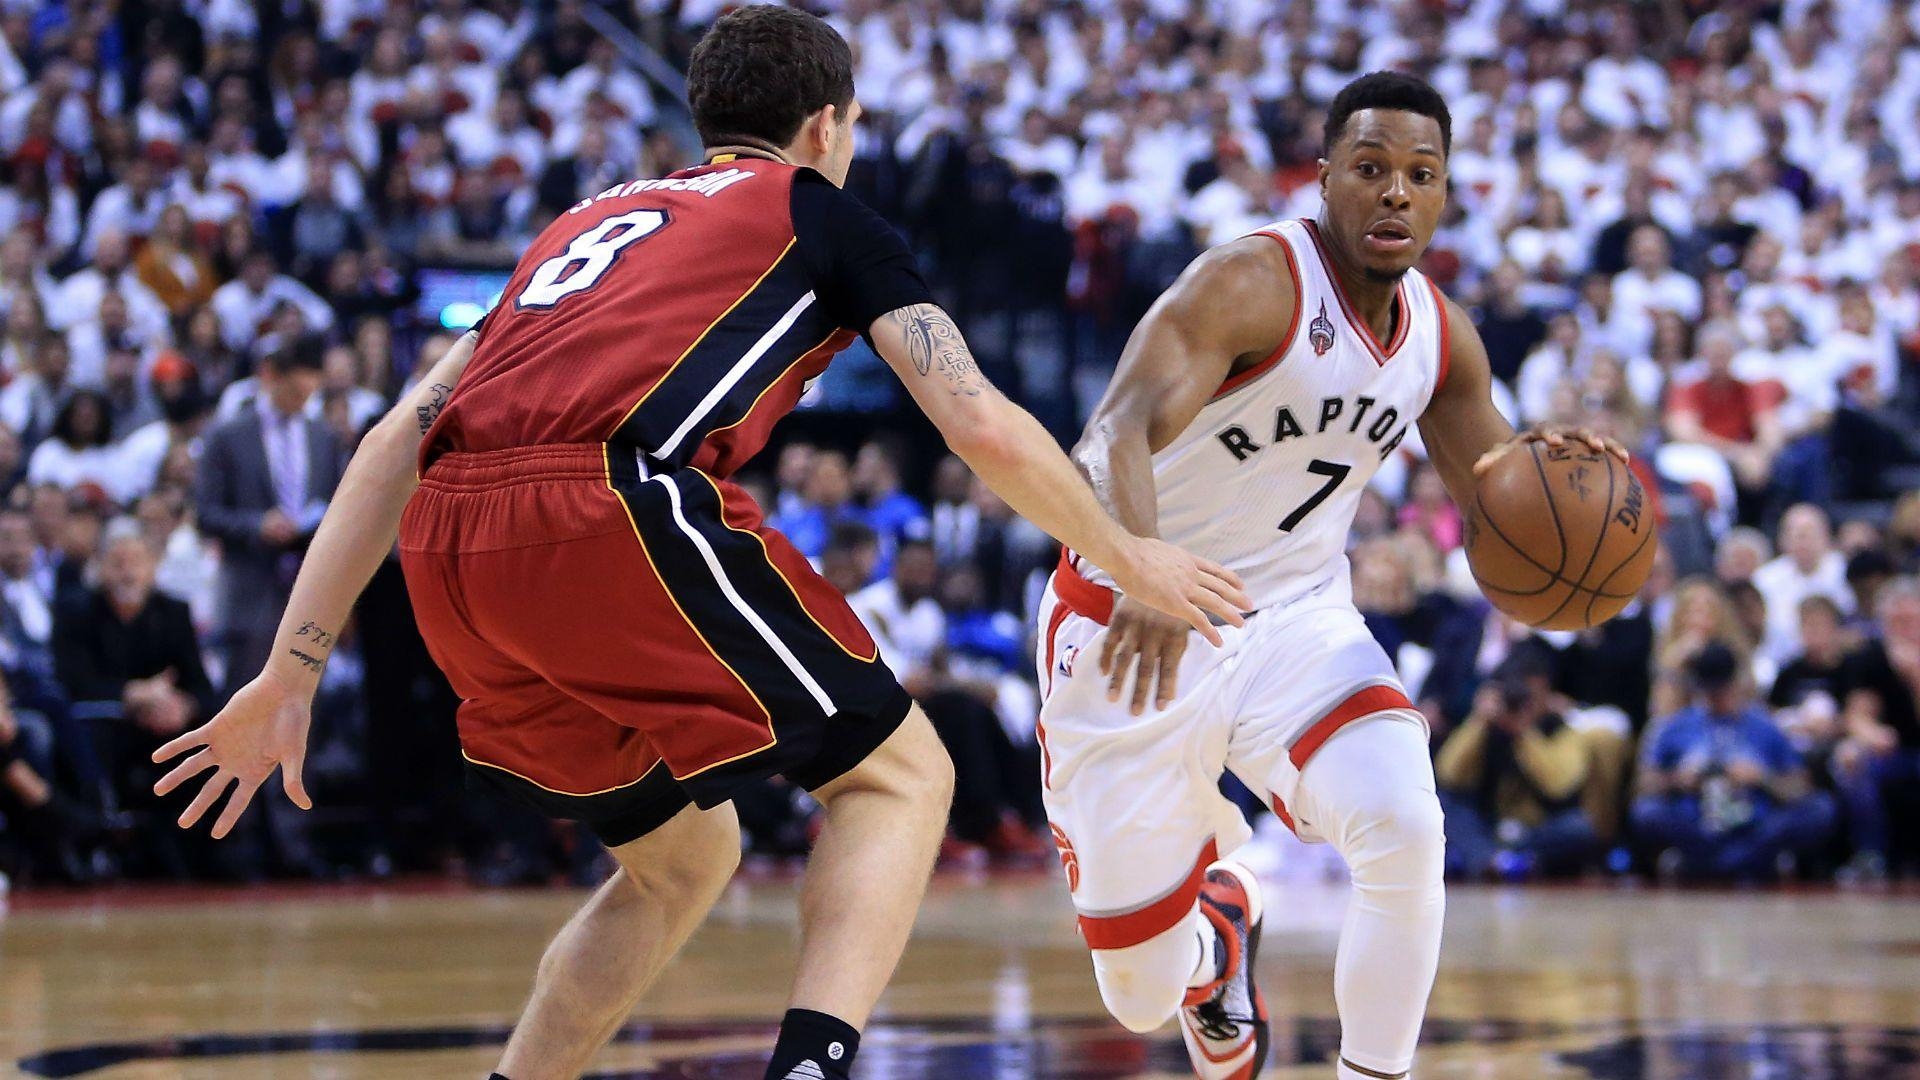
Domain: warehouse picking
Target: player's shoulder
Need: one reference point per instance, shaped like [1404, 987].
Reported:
[818, 203]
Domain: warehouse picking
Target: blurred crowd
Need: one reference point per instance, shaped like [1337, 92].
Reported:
[1693, 225]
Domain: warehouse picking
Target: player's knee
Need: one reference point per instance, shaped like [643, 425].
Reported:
[1142, 985]
[1399, 838]
[695, 854]
[1140, 1000]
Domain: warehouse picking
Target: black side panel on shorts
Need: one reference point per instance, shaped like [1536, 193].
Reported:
[829, 708]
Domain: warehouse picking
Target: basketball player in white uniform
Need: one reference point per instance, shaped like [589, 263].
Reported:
[1252, 405]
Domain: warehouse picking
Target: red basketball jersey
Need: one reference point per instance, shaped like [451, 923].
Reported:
[679, 315]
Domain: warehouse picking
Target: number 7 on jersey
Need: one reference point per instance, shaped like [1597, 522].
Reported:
[1334, 472]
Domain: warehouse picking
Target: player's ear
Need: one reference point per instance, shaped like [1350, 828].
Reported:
[822, 125]
[1325, 170]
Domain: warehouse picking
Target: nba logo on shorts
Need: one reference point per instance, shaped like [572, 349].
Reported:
[1067, 656]
[1320, 331]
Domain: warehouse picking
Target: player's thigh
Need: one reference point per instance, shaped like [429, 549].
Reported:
[1307, 677]
[1135, 808]
[912, 763]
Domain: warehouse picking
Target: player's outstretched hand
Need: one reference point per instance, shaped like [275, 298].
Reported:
[1147, 644]
[1185, 586]
[264, 727]
[1552, 435]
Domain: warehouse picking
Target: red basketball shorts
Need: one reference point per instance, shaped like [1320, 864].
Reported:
[627, 643]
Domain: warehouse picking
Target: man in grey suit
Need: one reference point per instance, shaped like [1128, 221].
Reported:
[265, 478]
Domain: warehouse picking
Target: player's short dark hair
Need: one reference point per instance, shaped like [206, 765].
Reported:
[1386, 90]
[761, 71]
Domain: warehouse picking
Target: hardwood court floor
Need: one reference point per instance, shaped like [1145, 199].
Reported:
[1542, 984]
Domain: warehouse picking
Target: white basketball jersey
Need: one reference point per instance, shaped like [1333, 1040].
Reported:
[1266, 479]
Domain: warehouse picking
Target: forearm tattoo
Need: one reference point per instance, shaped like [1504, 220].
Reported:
[935, 344]
[317, 638]
[430, 412]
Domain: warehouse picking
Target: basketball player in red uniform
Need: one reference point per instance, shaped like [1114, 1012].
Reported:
[631, 643]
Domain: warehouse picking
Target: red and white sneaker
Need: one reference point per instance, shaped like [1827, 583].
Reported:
[1225, 1022]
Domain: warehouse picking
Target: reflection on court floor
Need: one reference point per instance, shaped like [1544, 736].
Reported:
[394, 984]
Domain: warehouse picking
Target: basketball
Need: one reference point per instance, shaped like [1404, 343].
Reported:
[1559, 537]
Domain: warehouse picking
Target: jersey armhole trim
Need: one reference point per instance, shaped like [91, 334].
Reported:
[1446, 335]
[1236, 381]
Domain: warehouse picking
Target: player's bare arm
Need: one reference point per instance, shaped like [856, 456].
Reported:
[1464, 433]
[1009, 449]
[265, 725]
[1227, 312]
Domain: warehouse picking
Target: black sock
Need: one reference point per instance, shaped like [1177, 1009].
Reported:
[813, 1046]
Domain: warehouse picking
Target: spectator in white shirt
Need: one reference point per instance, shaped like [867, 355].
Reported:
[193, 188]
[1808, 565]
[247, 304]
[234, 165]
[1862, 354]
[603, 77]
[110, 272]
[80, 449]
[1649, 284]
[1233, 203]
[129, 206]
[500, 140]
[1039, 149]
[1547, 245]
[1625, 88]
[906, 621]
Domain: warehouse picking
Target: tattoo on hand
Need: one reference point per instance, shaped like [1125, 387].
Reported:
[934, 342]
[313, 663]
[430, 412]
[311, 629]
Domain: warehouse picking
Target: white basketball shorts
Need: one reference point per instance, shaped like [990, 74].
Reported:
[1135, 801]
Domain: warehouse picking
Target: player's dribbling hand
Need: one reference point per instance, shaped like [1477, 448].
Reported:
[264, 727]
[1552, 435]
[1185, 586]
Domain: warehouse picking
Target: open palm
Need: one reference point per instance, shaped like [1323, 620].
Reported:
[264, 727]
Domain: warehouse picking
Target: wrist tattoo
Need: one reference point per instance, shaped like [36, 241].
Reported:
[321, 638]
[313, 663]
[934, 343]
[430, 412]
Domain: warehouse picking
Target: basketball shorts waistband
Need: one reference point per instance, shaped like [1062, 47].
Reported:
[485, 470]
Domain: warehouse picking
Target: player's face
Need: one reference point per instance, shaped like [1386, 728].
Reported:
[1385, 186]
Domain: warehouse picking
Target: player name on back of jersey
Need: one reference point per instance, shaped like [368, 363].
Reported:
[1243, 445]
[710, 184]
